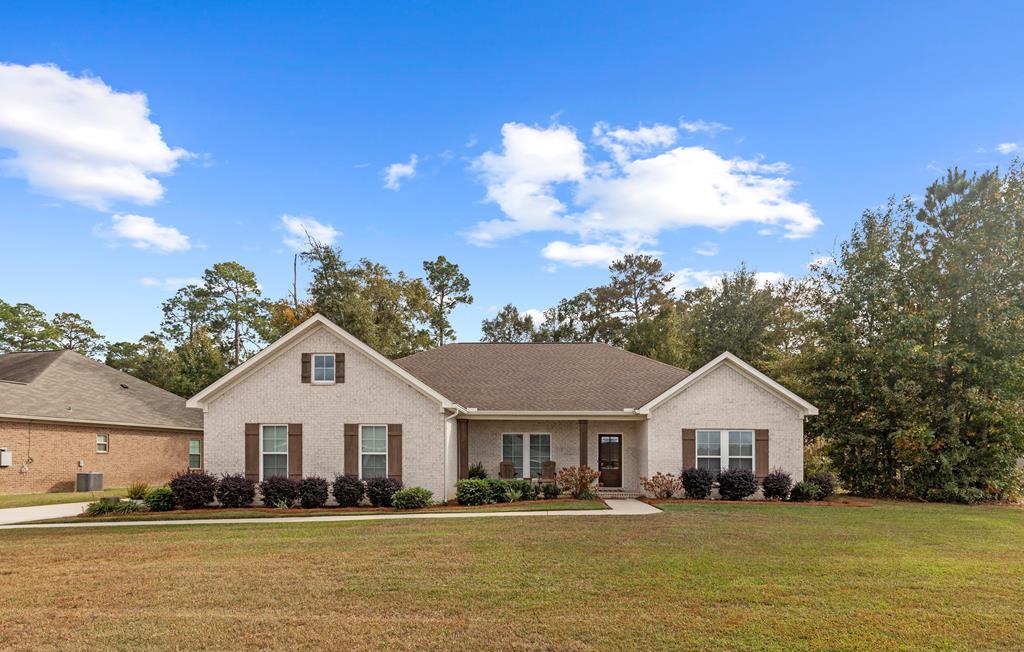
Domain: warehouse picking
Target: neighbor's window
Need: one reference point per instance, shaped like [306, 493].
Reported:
[323, 368]
[741, 449]
[274, 448]
[195, 453]
[373, 447]
[709, 450]
[526, 452]
[102, 443]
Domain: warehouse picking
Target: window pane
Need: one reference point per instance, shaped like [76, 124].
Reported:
[194, 446]
[374, 466]
[194, 461]
[713, 464]
[709, 442]
[512, 451]
[375, 439]
[741, 463]
[741, 443]
[540, 452]
[275, 439]
[275, 465]
[101, 443]
[323, 368]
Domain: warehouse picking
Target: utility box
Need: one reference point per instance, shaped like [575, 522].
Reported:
[89, 481]
[6, 457]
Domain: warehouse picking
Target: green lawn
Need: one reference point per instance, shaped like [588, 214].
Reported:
[215, 513]
[888, 576]
[31, 500]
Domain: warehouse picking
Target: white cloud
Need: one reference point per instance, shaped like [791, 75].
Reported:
[578, 255]
[536, 315]
[394, 173]
[541, 181]
[300, 229]
[78, 139]
[820, 261]
[171, 283]
[707, 248]
[145, 233]
[702, 126]
[1008, 148]
[770, 278]
[691, 279]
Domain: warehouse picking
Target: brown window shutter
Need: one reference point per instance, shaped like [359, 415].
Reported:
[395, 451]
[584, 429]
[760, 454]
[252, 451]
[463, 432]
[352, 449]
[306, 367]
[689, 448]
[295, 451]
[339, 367]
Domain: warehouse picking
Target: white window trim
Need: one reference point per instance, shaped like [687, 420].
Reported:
[106, 443]
[385, 453]
[526, 449]
[286, 453]
[723, 447]
[192, 439]
[312, 369]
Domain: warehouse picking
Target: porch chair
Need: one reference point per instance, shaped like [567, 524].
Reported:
[507, 470]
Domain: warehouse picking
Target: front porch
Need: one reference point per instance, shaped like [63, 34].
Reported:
[615, 447]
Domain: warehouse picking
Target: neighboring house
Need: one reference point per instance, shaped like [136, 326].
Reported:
[62, 413]
[320, 402]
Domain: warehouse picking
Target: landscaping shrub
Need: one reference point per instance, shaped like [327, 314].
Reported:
[477, 472]
[137, 490]
[379, 491]
[662, 485]
[577, 481]
[236, 491]
[512, 493]
[313, 492]
[160, 499]
[803, 491]
[279, 491]
[108, 506]
[776, 485]
[697, 482]
[526, 488]
[826, 484]
[475, 491]
[736, 484]
[551, 490]
[348, 490]
[192, 490]
[412, 498]
[496, 487]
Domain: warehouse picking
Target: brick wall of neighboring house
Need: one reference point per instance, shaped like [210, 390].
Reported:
[150, 456]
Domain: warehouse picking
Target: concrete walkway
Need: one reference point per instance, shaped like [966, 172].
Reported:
[39, 512]
[626, 507]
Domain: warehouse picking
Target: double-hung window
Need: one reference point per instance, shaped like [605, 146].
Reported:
[102, 443]
[526, 452]
[373, 447]
[323, 368]
[195, 453]
[725, 449]
[274, 449]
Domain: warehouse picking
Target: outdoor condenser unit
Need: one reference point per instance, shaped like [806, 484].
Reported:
[89, 481]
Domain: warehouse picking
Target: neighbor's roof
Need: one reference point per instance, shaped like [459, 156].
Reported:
[542, 376]
[67, 386]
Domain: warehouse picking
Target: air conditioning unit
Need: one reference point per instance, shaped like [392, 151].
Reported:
[6, 457]
[89, 481]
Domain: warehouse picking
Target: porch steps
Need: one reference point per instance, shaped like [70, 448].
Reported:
[617, 493]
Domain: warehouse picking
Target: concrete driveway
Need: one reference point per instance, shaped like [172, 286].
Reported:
[14, 515]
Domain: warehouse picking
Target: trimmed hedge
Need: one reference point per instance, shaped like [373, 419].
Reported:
[279, 491]
[697, 482]
[736, 484]
[159, 499]
[312, 492]
[379, 491]
[776, 485]
[193, 489]
[803, 492]
[825, 482]
[475, 491]
[236, 490]
[412, 498]
[348, 490]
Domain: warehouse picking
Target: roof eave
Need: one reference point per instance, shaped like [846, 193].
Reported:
[98, 422]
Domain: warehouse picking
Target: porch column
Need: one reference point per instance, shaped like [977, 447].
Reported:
[462, 430]
[584, 427]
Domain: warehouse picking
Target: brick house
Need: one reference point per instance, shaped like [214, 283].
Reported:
[320, 402]
[62, 413]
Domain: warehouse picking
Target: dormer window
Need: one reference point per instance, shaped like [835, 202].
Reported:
[323, 368]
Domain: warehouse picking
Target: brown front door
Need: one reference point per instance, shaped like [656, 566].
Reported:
[609, 460]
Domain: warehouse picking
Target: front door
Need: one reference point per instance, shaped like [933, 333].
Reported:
[609, 460]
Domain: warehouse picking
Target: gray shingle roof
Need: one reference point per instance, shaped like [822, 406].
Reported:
[68, 386]
[542, 376]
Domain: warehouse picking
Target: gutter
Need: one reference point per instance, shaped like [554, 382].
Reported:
[88, 422]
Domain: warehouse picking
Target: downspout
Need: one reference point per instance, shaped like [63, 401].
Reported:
[444, 454]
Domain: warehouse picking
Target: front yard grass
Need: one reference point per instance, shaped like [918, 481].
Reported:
[32, 500]
[886, 576]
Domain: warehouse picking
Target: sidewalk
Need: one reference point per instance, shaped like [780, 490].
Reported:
[39, 512]
[622, 507]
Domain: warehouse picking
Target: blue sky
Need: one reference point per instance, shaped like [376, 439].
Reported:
[547, 138]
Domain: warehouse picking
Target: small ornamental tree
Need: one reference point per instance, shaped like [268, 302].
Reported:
[193, 489]
[348, 490]
[697, 482]
[776, 485]
[577, 481]
[235, 491]
[662, 485]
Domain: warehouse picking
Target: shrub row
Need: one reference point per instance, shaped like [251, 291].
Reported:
[737, 484]
[481, 491]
